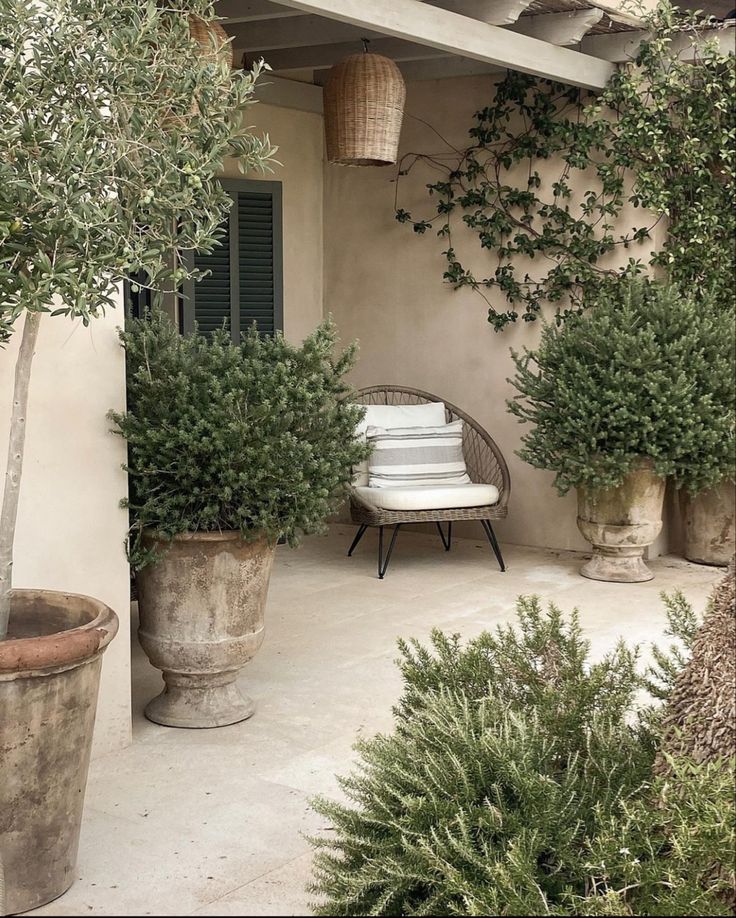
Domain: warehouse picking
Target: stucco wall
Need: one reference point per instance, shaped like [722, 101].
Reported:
[298, 136]
[71, 530]
[384, 286]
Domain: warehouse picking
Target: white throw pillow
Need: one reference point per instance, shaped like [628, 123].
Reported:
[430, 414]
[417, 456]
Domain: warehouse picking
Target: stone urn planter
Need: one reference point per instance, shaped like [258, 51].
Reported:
[709, 521]
[49, 679]
[201, 605]
[621, 523]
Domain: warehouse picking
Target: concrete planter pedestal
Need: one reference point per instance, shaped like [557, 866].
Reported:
[709, 520]
[49, 679]
[201, 609]
[621, 523]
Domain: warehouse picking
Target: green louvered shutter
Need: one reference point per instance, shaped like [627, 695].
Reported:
[212, 293]
[245, 279]
[257, 299]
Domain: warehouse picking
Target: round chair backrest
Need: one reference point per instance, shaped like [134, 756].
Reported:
[483, 458]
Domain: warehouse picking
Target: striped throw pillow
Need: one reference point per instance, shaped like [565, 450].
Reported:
[417, 456]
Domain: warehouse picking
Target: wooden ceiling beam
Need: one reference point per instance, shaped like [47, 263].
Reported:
[559, 28]
[317, 56]
[459, 35]
[295, 32]
[231, 11]
[492, 12]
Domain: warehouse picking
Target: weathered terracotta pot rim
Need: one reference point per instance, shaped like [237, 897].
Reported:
[62, 649]
[227, 535]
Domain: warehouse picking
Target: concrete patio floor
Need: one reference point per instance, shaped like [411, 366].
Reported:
[214, 822]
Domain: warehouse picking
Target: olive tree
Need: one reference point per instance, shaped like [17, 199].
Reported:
[114, 124]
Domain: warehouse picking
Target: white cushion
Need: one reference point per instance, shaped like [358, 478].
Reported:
[427, 415]
[413, 457]
[446, 497]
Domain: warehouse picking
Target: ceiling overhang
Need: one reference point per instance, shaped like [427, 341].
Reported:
[577, 42]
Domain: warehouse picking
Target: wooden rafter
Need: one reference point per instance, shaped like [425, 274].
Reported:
[231, 11]
[317, 56]
[455, 34]
[493, 12]
[559, 28]
[294, 32]
[623, 46]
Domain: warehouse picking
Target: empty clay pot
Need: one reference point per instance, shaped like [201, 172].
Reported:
[49, 679]
[201, 605]
[621, 523]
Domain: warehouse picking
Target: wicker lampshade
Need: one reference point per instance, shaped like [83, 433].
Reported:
[212, 39]
[364, 106]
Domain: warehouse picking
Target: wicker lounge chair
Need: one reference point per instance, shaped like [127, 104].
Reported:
[485, 464]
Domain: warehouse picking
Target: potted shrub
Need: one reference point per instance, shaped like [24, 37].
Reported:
[634, 390]
[107, 164]
[229, 448]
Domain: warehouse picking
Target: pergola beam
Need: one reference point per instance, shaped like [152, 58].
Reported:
[318, 56]
[493, 12]
[613, 9]
[455, 34]
[295, 32]
[444, 67]
[623, 46]
[559, 28]
[251, 10]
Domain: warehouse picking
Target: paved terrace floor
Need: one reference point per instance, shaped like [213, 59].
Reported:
[213, 822]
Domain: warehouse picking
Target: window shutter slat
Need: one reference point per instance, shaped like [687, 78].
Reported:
[212, 293]
[256, 261]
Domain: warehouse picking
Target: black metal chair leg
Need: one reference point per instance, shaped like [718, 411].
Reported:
[494, 543]
[383, 564]
[358, 536]
[447, 542]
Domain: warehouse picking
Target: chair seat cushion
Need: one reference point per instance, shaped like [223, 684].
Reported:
[447, 497]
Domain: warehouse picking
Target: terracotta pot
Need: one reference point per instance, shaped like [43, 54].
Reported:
[49, 680]
[201, 609]
[620, 523]
[709, 520]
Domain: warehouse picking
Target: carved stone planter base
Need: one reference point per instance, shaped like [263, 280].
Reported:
[620, 523]
[201, 608]
[198, 702]
[616, 568]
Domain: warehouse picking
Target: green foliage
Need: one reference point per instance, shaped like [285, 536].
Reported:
[648, 373]
[256, 437]
[518, 782]
[674, 127]
[113, 128]
[538, 666]
[682, 626]
[502, 189]
[660, 136]
[663, 852]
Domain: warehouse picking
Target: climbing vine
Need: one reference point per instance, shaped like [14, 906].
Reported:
[660, 138]
[674, 126]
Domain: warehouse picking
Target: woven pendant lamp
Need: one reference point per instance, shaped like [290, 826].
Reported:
[214, 42]
[364, 106]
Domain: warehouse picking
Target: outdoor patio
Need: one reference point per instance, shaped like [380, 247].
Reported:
[213, 822]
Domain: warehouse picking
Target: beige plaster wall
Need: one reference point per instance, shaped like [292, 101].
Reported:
[384, 286]
[299, 137]
[71, 529]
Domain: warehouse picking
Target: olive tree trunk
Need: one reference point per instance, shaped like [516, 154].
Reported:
[14, 468]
